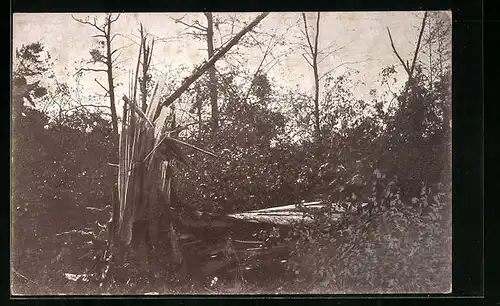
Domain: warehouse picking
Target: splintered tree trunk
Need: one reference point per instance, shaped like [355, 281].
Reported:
[211, 73]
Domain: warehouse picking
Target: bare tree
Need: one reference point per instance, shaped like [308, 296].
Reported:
[409, 68]
[313, 62]
[105, 58]
[207, 32]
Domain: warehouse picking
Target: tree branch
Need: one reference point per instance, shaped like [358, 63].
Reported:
[317, 36]
[113, 20]
[90, 69]
[340, 65]
[107, 90]
[113, 37]
[397, 54]
[304, 56]
[260, 67]
[85, 106]
[418, 45]
[307, 33]
[330, 53]
[197, 27]
[94, 24]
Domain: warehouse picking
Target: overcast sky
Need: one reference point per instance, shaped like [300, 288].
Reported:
[363, 34]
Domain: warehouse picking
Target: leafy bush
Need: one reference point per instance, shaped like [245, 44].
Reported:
[60, 180]
[394, 249]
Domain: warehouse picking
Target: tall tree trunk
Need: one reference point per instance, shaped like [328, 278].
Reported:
[430, 53]
[313, 52]
[317, 129]
[211, 73]
[111, 87]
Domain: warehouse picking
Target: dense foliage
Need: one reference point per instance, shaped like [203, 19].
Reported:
[60, 183]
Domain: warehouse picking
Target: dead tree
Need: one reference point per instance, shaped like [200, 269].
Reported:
[106, 59]
[313, 62]
[410, 69]
[314, 57]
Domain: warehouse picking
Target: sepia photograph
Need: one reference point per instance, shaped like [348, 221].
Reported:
[208, 153]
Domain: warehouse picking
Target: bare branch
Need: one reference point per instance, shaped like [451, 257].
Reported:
[151, 52]
[307, 60]
[418, 45]
[94, 24]
[191, 146]
[340, 65]
[113, 37]
[197, 26]
[107, 90]
[270, 45]
[397, 54]
[120, 48]
[90, 69]
[117, 63]
[330, 53]
[307, 33]
[86, 106]
[117, 56]
[137, 110]
[317, 36]
[113, 20]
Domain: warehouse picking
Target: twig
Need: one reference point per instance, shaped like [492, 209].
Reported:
[196, 26]
[89, 69]
[340, 65]
[101, 85]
